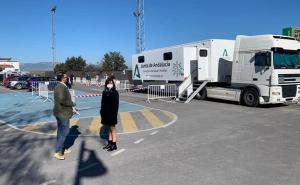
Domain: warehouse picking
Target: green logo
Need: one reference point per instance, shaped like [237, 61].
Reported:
[225, 54]
[136, 72]
[177, 69]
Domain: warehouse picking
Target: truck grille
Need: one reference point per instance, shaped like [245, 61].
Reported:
[289, 91]
[288, 78]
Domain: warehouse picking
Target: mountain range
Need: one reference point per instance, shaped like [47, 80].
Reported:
[41, 66]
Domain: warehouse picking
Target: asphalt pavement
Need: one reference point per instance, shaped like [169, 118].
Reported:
[210, 142]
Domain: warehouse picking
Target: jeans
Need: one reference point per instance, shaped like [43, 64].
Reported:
[62, 133]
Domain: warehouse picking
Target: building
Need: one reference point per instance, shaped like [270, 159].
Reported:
[8, 65]
[292, 31]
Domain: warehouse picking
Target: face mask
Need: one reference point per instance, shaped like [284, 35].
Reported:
[110, 86]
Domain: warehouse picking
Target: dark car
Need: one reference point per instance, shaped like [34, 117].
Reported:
[6, 82]
[19, 82]
[32, 80]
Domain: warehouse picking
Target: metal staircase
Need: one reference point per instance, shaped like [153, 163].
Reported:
[196, 92]
[183, 89]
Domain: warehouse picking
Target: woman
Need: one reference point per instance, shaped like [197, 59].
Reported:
[109, 112]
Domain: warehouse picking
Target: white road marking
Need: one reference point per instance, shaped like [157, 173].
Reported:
[118, 152]
[153, 133]
[138, 141]
[49, 182]
[87, 167]
[7, 129]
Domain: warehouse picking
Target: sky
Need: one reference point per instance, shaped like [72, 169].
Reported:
[91, 28]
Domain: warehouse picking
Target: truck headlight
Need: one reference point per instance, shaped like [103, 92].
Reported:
[275, 93]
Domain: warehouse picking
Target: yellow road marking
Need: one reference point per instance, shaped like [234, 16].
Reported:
[95, 125]
[152, 119]
[33, 127]
[74, 121]
[128, 122]
[169, 115]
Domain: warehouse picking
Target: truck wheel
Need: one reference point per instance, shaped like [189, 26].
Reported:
[18, 86]
[202, 94]
[250, 97]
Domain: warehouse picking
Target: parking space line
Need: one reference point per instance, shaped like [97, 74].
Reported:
[95, 125]
[153, 133]
[33, 127]
[87, 167]
[8, 129]
[139, 141]
[152, 119]
[118, 152]
[128, 122]
[168, 114]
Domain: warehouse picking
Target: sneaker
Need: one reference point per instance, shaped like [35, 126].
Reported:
[59, 156]
[67, 151]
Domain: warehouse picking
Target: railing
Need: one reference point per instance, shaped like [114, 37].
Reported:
[188, 82]
[184, 85]
[43, 91]
[42, 88]
[123, 85]
[161, 92]
[34, 88]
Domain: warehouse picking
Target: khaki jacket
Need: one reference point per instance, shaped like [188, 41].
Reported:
[62, 102]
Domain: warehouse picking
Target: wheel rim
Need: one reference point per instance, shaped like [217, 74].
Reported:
[250, 97]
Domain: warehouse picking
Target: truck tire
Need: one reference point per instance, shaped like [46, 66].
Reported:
[202, 94]
[250, 97]
[18, 86]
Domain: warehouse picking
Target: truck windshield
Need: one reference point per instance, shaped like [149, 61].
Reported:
[286, 59]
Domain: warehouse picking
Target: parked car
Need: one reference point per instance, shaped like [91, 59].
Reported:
[6, 81]
[38, 79]
[19, 82]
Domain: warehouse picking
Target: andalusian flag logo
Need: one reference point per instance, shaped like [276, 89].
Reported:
[136, 73]
[225, 54]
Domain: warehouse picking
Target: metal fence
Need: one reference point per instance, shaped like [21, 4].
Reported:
[123, 85]
[165, 91]
[43, 88]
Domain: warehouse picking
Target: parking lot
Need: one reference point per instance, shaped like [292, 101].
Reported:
[210, 142]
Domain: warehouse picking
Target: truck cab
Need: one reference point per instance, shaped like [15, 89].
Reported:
[267, 68]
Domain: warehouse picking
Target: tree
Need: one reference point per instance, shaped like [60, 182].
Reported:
[113, 61]
[75, 64]
[59, 67]
[92, 68]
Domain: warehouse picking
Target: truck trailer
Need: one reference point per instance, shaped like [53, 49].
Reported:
[252, 70]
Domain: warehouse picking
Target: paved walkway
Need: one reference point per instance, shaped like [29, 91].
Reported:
[24, 111]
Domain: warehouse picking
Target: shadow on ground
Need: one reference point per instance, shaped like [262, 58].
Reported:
[21, 162]
[89, 166]
[19, 118]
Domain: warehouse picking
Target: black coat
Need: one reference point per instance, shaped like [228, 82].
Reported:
[109, 107]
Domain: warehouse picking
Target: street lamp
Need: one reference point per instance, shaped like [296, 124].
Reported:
[53, 36]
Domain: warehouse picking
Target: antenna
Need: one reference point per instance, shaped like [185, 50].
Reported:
[140, 35]
[53, 10]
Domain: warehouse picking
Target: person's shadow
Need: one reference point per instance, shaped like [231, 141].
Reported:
[72, 136]
[89, 165]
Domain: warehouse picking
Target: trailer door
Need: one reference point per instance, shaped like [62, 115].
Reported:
[202, 54]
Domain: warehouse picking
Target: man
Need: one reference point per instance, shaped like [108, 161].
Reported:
[63, 111]
[72, 78]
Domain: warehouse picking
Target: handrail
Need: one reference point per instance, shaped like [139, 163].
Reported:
[186, 83]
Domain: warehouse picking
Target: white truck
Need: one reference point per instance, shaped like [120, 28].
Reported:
[252, 70]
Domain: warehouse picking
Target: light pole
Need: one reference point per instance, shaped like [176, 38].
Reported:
[53, 36]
